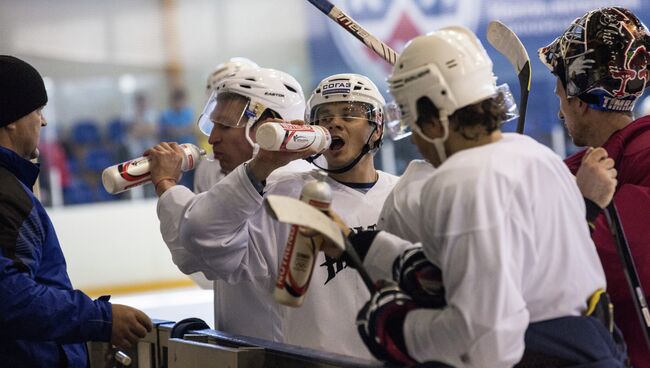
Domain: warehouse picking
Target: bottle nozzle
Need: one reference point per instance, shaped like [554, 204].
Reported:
[321, 175]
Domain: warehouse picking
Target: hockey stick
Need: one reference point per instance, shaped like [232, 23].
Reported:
[641, 306]
[500, 36]
[337, 15]
[504, 40]
[292, 211]
[357, 263]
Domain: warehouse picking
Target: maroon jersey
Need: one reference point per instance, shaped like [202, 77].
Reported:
[630, 149]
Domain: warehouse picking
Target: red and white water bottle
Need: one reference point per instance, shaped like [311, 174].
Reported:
[276, 136]
[301, 251]
[126, 175]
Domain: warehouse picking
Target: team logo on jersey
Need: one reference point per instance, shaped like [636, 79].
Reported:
[334, 266]
[395, 22]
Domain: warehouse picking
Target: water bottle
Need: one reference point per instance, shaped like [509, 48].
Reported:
[301, 251]
[126, 175]
[276, 136]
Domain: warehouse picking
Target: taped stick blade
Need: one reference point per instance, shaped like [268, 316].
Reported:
[504, 40]
[292, 211]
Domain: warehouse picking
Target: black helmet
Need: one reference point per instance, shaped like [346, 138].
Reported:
[602, 58]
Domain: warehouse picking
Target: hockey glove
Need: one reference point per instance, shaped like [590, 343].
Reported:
[419, 278]
[381, 321]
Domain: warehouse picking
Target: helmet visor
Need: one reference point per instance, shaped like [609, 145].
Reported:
[511, 108]
[396, 128]
[346, 111]
[225, 108]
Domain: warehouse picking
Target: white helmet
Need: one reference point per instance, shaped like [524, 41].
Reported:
[351, 88]
[262, 89]
[226, 68]
[450, 67]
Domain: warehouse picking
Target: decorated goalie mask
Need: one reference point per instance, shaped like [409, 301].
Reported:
[602, 58]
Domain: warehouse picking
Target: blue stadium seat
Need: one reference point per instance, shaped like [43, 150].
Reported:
[78, 192]
[97, 159]
[116, 131]
[86, 133]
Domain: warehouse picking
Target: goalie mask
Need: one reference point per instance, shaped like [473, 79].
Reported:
[348, 97]
[239, 100]
[602, 58]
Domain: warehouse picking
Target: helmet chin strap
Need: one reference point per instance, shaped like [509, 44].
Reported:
[438, 143]
[366, 148]
[256, 147]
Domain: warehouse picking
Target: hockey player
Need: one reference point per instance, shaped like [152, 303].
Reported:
[238, 241]
[601, 64]
[246, 312]
[502, 218]
[208, 172]
[399, 213]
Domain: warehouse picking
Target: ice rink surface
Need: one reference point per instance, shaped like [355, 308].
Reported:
[172, 304]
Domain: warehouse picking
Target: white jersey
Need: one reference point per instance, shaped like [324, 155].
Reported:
[207, 174]
[240, 243]
[400, 215]
[170, 209]
[505, 223]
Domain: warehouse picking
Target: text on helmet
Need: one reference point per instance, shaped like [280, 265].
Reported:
[336, 87]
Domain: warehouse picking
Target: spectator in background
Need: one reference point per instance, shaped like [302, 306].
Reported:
[142, 126]
[177, 121]
[177, 125]
[143, 133]
[44, 322]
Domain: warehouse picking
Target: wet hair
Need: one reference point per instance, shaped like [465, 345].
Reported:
[488, 114]
[267, 115]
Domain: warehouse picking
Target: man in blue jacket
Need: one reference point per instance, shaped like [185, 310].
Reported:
[43, 321]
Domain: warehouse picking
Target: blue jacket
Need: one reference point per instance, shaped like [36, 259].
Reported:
[43, 321]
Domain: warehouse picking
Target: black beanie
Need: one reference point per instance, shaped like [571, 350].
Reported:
[21, 89]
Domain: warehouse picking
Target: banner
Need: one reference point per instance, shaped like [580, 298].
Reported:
[536, 22]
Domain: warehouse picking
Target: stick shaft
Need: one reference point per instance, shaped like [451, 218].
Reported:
[631, 274]
[356, 262]
[524, 87]
[354, 28]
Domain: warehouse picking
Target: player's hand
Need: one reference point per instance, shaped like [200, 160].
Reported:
[381, 321]
[596, 176]
[419, 278]
[328, 247]
[265, 162]
[166, 159]
[129, 325]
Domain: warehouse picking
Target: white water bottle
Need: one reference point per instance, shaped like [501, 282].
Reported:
[276, 136]
[126, 175]
[301, 252]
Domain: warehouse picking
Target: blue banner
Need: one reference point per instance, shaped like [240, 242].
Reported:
[536, 22]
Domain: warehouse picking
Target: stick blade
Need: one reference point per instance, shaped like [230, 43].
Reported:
[292, 211]
[504, 40]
